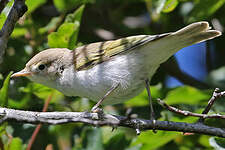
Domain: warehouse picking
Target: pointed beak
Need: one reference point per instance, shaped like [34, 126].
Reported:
[22, 73]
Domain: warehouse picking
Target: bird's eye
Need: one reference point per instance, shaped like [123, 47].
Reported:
[41, 67]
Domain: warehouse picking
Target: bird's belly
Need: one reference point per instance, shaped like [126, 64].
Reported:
[123, 92]
[122, 95]
[129, 71]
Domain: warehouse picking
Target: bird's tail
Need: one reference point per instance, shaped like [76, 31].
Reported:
[195, 33]
[189, 35]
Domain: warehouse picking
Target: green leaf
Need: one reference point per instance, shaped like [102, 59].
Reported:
[66, 35]
[51, 26]
[18, 32]
[66, 5]
[2, 19]
[21, 104]
[5, 12]
[160, 6]
[76, 16]
[138, 101]
[136, 147]
[76, 19]
[16, 144]
[204, 9]
[170, 5]
[180, 119]
[34, 4]
[61, 38]
[186, 95]
[4, 91]
[142, 99]
[150, 140]
[118, 142]
[92, 139]
[3, 127]
[42, 91]
[204, 141]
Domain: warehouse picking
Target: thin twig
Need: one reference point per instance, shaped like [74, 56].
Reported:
[17, 11]
[216, 95]
[37, 129]
[33, 137]
[188, 113]
[109, 120]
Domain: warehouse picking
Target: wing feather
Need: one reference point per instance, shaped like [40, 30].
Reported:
[90, 55]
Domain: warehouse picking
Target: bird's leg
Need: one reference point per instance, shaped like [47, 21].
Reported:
[95, 108]
[152, 114]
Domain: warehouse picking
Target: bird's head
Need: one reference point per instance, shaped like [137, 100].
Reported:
[47, 66]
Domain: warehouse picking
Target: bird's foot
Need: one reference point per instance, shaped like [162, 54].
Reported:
[99, 111]
[96, 109]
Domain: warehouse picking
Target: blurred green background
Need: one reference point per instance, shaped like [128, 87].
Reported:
[72, 23]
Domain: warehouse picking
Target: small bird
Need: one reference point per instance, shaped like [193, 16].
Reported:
[111, 72]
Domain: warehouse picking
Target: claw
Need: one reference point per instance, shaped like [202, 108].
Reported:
[97, 110]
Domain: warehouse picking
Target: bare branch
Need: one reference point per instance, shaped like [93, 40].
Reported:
[188, 113]
[38, 127]
[17, 11]
[110, 120]
[216, 95]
